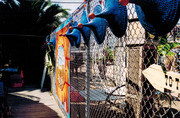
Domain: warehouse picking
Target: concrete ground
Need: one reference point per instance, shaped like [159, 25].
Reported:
[30, 102]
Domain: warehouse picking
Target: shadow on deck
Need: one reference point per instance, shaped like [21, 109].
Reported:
[32, 103]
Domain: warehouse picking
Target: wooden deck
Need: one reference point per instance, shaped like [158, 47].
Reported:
[30, 102]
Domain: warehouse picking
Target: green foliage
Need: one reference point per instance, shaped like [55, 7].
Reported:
[110, 56]
[163, 40]
[24, 24]
[165, 47]
[50, 53]
[30, 17]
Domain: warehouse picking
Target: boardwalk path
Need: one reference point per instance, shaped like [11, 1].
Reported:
[30, 102]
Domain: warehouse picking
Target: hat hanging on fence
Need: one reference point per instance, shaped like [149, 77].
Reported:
[116, 16]
[157, 16]
[74, 36]
[85, 31]
[98, 26]
[68, 32]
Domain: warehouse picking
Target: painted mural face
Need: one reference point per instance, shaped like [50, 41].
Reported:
[61, 67]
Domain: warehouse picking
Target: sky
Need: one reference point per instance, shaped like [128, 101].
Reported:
[69, 4]
[65, 4]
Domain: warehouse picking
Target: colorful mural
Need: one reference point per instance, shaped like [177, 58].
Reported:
[62, 81]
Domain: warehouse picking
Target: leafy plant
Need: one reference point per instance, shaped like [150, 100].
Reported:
[110, 56]
[24, 24]
[34, 17]
[165, 47]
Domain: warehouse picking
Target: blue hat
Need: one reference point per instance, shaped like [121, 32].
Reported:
[70, 38]
[74, 36]
[116, 16]
[98, 26]
[158, 16]
[85, 31]
[54, 40]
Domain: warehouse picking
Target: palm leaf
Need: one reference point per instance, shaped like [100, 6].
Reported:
[30, 17]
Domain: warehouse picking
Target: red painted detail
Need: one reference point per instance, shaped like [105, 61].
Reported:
[123, 2]
[80, 25]
[91, 15]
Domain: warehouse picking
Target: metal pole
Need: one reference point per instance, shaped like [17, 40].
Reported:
[88, 82]
[87, 109]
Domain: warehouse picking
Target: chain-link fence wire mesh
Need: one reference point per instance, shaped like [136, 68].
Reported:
[117, 85]
[78, 68]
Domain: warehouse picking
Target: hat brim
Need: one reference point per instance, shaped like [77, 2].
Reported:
[98, 26]
[116, 16]
[75, 36]
[85, 31]
[161, 18]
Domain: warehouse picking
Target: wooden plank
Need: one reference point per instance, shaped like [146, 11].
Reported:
[160, 80]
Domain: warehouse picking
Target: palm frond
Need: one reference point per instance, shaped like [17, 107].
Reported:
[30, 17]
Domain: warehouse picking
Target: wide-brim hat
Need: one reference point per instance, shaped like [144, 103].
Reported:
[85, 31]
[116, 16]
[67, 33]
[98, 26]
[75, 36]
[158, 16]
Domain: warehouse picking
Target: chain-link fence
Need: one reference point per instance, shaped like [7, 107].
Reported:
[109, 81]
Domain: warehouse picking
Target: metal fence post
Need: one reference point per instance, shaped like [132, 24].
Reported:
[88, 82]
[87, 109]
